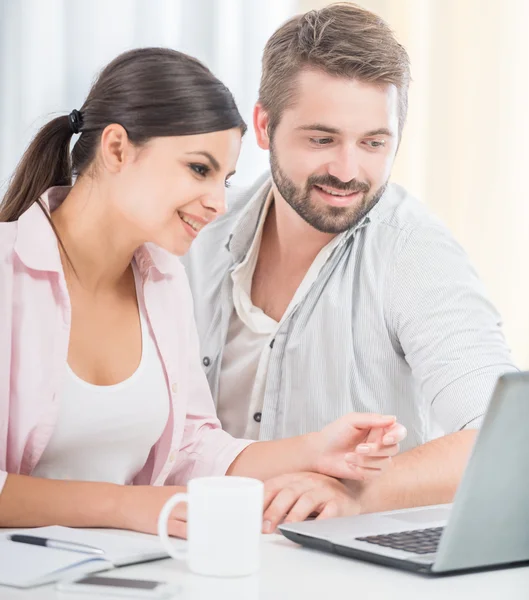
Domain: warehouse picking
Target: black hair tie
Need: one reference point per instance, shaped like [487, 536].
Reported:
[76, 121]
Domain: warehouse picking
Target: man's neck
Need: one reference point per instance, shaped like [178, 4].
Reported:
[289, 238]
[288, 248]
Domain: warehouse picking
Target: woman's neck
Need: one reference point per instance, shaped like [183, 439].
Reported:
[97, 244]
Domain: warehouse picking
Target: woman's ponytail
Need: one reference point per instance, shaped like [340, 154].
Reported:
[45, 163]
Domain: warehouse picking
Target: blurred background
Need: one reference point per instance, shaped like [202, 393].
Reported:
[465, 146]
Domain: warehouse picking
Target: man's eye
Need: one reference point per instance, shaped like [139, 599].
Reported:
[376, 143]
[200, 169]
[321, 141]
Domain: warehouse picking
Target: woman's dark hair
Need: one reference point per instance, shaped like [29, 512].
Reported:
[151, 92]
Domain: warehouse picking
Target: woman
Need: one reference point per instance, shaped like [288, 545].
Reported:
[100, 381]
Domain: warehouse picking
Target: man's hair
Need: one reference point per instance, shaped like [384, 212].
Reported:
[342, 40]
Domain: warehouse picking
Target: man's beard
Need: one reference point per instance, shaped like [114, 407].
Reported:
[325, 218]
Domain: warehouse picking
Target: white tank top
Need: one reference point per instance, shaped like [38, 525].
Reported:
[105, 433]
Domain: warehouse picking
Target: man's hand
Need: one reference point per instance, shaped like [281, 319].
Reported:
[357, 446]
[294, 497]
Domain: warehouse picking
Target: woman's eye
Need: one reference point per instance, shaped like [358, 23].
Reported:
[321, 141]
[227, 183]
[199, 169]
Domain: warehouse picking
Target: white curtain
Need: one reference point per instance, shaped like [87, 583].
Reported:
[465, 147]
[50, 51]
[464, 150]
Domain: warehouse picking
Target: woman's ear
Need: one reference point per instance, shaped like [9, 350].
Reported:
[115, 148]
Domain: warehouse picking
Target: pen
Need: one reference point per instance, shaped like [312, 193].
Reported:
[57, 544]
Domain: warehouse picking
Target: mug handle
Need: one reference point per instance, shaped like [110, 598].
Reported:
[162, 526]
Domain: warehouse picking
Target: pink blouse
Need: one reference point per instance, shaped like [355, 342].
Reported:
[35, 316]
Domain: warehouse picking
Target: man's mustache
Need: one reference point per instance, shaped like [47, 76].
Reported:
[329, 181]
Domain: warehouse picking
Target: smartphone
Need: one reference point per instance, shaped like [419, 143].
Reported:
[117, 586]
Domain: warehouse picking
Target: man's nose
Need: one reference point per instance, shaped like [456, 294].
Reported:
[345, 165]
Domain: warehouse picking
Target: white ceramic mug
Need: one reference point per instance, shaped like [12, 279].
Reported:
[224, 521]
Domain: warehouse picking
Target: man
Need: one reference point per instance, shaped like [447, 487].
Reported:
[325, 289]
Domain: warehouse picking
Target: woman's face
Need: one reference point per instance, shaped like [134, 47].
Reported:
[171, 187]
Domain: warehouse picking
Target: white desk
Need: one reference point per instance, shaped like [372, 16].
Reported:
[289, 572]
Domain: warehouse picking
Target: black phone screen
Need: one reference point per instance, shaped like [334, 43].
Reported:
[133, 584]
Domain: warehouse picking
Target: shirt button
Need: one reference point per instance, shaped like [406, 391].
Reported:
[206, 361]
[257, 417]
[174, 388]
[172, 456]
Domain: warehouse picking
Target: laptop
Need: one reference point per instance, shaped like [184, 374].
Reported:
[486, 526]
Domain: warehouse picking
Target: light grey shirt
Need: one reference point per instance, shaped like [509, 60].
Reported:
[397, 322]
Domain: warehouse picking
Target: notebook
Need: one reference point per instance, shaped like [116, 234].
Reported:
[25, 565]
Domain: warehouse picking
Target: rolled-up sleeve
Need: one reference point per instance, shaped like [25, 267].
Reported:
[447, 328]
[206, 449]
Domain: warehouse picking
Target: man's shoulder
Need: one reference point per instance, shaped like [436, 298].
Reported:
[403, 217]
[239, 196]
[402, 211]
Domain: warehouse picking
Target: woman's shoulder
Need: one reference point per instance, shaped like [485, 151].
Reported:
[8, 236]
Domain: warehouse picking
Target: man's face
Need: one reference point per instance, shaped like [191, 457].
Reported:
[332, 152]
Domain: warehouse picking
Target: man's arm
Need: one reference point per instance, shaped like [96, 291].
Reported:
[428, 474]
[441, 321]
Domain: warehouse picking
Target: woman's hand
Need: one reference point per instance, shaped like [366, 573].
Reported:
[139, 506]
[357, 446]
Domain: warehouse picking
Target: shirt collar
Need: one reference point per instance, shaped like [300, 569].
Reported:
[255, 242]
[36, 243]
[37, 247]
[150, 256]
[247, 224]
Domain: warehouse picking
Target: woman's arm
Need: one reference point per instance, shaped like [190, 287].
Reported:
[356, 446]
[27, 501]
[33, 502]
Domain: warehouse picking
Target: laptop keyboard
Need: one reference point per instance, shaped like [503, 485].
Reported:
[418, 541]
